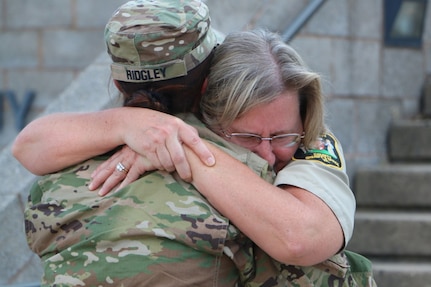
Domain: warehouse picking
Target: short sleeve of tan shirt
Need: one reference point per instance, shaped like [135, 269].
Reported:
[322, 171]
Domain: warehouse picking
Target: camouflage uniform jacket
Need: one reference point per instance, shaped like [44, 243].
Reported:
[158, 231]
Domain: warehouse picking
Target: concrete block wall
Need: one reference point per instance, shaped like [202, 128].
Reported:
[44, 44]
[368, 85]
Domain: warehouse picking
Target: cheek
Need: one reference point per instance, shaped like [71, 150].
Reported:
[283, 157]
[285, 154]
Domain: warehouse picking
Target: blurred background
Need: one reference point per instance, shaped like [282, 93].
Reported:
[374, 57]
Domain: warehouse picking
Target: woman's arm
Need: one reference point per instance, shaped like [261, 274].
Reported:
[56, 141]
[290, 224]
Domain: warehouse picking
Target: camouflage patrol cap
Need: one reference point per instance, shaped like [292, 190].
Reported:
[153, 40]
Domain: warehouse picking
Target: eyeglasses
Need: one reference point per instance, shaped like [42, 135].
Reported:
[251, 140]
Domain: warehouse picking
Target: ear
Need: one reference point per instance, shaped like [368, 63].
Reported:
[197, 100]
[204, 86]
[117, 85]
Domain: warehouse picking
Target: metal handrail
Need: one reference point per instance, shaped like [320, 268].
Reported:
[301, 19]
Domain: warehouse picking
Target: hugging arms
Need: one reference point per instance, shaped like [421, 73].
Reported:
[306, 217]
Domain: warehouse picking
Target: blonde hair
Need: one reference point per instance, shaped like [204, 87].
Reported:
[252, 68]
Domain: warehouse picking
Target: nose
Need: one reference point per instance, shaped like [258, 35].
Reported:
[264, 150]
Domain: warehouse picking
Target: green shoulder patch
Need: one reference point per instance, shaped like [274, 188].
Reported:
[325, 151]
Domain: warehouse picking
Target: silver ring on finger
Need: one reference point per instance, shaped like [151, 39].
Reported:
[121, 168]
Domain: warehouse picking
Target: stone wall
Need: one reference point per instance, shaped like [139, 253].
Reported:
[44, 44]
[368, 85]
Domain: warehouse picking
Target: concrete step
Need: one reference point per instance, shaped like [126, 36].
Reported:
[394, 185]
[402, 274]
[409, 140]
[381, 233]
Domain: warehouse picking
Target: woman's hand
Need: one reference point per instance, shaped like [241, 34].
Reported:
[156, 145]
[161, 139]
[107, 175]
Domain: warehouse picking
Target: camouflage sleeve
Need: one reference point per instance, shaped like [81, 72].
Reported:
[345, 269]
[155, 232]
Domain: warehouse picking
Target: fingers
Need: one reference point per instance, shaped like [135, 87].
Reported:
[131, 176]
[177, 158]
[161, 148]
[137, 168]
[191, 138]
[161, 158]
[110, 173]
[167, 153]
[102, 172]
[113, 180]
